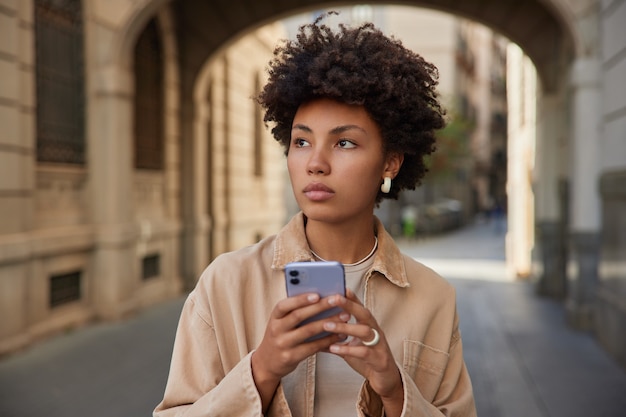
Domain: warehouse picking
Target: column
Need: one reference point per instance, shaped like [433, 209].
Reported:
[584, 195]
[550, 223]
[17, 170]
[110, 165]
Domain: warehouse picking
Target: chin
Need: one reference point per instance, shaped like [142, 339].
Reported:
[321, 214]
[327, 214]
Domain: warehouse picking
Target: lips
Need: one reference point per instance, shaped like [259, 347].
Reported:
[318, 192]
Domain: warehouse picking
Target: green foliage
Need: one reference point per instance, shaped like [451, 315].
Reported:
[452, 148]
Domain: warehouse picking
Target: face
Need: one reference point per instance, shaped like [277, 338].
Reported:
[336, 162]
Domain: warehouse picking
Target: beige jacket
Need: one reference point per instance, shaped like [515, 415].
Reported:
[224, 318]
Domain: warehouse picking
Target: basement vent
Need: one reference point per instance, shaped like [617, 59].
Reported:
[151, 266]
[64, 288]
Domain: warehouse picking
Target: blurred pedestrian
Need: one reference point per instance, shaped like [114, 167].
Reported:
[499, 218]
[355, 112]
[409, 221]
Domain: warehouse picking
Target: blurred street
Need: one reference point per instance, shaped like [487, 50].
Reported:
[523, 359]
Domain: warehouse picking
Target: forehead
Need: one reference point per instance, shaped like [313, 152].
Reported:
[326, 114]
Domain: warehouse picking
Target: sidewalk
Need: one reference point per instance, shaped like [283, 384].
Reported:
[106, 370]
[523, 359]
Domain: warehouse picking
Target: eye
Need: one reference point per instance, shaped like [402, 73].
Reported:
[346, 144]
[300, 143]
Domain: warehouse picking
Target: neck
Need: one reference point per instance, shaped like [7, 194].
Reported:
[359, 262]
[345, 244]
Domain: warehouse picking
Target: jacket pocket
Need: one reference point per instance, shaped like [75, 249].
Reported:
[425, 365]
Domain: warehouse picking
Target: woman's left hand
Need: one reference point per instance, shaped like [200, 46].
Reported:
[373, 360]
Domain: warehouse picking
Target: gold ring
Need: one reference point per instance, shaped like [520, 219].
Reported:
[374, 340]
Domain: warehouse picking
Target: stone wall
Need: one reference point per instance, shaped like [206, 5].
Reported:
[610, 320]
[107, 234]
[246, 204]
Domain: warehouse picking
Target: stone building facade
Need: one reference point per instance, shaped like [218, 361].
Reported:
[94, 170]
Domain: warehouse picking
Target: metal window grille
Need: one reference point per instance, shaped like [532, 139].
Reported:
[59, 81]
[65, 288]
[151, 266]
[149, 99]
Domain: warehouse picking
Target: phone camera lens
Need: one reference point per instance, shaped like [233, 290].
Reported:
[293, 273]
[294, 281]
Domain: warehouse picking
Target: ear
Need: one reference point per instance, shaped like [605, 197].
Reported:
[392, 164]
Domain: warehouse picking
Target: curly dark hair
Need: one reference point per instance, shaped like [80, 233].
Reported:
[360, 66]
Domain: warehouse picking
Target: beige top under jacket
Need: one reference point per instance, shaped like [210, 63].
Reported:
[224, 318]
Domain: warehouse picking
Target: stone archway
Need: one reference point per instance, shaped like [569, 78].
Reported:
[545, 31]
[551, 33]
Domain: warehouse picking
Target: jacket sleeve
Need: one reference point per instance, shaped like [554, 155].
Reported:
[197, 384]
[454, 398]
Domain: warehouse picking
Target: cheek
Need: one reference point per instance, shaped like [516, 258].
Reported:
[292, 167]
[363, 180]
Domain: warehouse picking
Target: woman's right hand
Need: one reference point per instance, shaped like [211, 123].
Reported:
[283, 346]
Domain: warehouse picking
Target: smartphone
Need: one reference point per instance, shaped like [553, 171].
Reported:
[323, 278]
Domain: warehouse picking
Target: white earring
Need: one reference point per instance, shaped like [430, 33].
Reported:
[386, 185]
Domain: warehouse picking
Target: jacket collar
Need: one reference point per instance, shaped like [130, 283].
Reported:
[291, 246]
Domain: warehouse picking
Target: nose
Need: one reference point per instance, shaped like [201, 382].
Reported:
[318, 163]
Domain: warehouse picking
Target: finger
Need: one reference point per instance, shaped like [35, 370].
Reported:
[375, 340]
[312, 312]
[314, 336]
[289, 304]
[284, 337]
[357, 350]
[282, 353]
[293, 327]
[351, 304]
[357, 331]
[306, 340]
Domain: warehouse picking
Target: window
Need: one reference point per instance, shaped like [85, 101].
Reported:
[151, 266]
[149, 99]
[59, 73]
[64, 288]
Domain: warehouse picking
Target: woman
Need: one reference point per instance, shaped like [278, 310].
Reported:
[356, 114]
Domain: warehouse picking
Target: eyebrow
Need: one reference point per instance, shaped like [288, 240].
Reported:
[335, 130]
